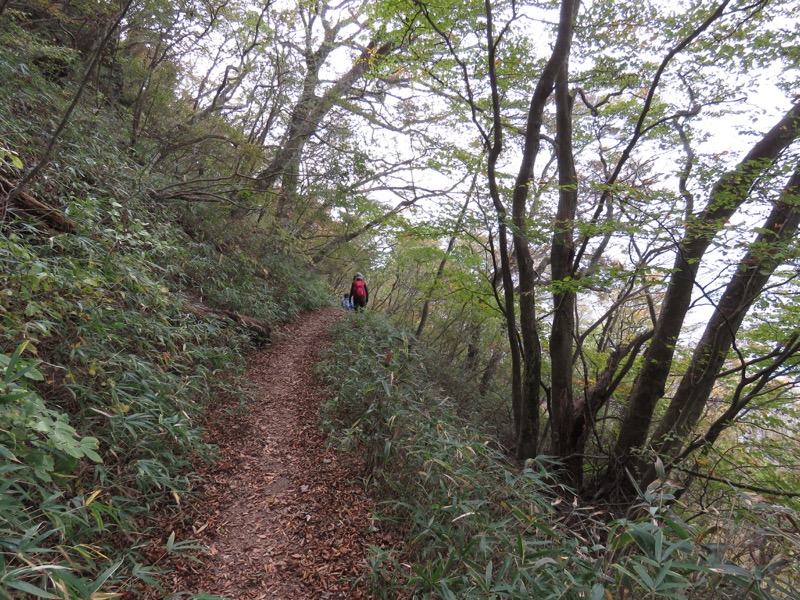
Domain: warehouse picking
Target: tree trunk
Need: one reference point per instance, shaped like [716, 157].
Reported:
[727, 195]
[494, 145]
[311, 109]
[440, 271]
[87, 75]
[753, 273]
[528, 432]
[489, 372]
[261, 327]
[565, 408]
[27, 204]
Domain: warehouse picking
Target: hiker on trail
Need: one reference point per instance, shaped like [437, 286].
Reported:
[347, 303]
[359, 294]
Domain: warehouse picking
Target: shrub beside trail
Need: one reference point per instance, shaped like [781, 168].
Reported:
[470, 523]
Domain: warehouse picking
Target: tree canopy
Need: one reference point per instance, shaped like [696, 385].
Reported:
[589, 210]
[626, 170]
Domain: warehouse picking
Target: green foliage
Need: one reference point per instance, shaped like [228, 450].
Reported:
[664, 556]
[35, 435]
[476, 526]
[119, 358]
[231, 264]
[105, 366]
[123, 359]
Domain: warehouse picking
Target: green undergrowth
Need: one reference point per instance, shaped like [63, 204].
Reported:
[106, 370]
[105, 380]
[235, 266]
[108, 356]
[475, 525]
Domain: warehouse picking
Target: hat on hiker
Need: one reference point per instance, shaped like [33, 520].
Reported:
[359, 276]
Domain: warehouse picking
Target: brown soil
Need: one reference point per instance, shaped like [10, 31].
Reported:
[282, 516]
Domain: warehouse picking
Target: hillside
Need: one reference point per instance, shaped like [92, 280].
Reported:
[123, 320]
[578, 371]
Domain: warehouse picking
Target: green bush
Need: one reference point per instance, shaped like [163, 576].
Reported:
[106, 368]
[232, 264]
[103, 430]
[475, 525]
[41, 452]
[99, 416]
[99, 421]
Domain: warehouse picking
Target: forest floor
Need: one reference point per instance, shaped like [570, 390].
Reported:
[281, 515]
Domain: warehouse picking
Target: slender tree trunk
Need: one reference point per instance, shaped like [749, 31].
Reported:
[564, 406]
[494, 145]
[158, 56]
[489, 372]
[87, 75]
[440, 271]
[527, 436]
[473, 353]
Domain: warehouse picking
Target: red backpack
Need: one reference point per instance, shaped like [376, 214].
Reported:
[359, 290]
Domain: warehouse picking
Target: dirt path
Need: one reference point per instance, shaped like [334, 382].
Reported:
[283, 517]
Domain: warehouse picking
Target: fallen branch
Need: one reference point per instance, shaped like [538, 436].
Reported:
[741, 486]
[27, 204]
[262, 327]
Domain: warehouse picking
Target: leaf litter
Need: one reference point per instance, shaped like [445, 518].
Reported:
[280, 515]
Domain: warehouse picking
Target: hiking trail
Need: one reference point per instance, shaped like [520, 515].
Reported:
[282, 517]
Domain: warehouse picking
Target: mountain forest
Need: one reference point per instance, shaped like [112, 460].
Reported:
[577, 374]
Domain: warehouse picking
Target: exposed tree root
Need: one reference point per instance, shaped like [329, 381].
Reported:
[25, 204]
[259, 325]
